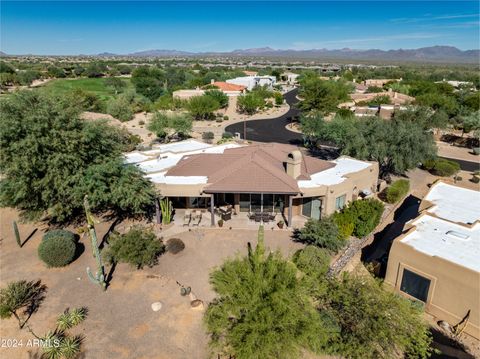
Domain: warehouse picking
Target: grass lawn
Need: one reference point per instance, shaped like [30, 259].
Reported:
[96, 86]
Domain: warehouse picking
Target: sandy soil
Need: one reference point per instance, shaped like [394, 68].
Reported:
[121, 323]
[136, 126]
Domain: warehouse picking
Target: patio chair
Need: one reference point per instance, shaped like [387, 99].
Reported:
[272, 216]
[187, 218]
[197, 218]
[258, 217]
[227, 215]
[265, 217]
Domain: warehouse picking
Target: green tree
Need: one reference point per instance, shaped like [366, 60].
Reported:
[56, 72]
[5, 67]
[322, 233]
[202, 107]
[322, 96]
[250, 103]
[149, 82]
[94, 70]
[262, 310]
[51, 159]
[116, 83]
[218, 96]
[138, 247]
[373, 322]
[168, 125]
[120, 108]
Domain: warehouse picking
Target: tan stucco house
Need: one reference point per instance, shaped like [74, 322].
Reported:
[437, 258]
[272, 178]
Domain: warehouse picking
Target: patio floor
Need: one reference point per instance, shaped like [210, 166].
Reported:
[238, 221]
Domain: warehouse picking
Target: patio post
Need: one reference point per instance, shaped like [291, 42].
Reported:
[158, 214]
[289, 223]
[212, 210]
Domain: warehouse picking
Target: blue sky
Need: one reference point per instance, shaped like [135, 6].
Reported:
[123, 27]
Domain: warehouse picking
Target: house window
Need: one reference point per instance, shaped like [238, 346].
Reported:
[340, 202]
[415, 285]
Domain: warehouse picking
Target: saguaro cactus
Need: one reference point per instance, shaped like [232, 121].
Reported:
[17, 233]
[166, 209]
[99, 277]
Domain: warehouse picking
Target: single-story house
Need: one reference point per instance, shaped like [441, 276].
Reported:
[252, 81]
[436, 260]
[378, 82]
[262, 177]
[227, 88]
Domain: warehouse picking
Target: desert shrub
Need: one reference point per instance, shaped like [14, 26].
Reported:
[19, 298]
[312, 260]
[322, 233]
[218, 96]
[429, 164]
[345, 224]
[397, 190]
[120, 108]
[138, 247]
[365, 215]
[278, 98]
[57, 248]
[445, 168]
[175, 245]
[227, 135]
[225, 117]
[475, 179]
[208, 136]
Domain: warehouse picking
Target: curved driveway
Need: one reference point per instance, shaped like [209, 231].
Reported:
[271, 130]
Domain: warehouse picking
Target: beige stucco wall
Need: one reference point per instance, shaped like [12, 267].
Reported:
[453, 290]
[354, 183]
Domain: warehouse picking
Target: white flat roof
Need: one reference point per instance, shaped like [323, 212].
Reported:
[163, 157]
[160, 177]
[454, 203]
[335, 175]
[134, 157]
[453, 242]
[182, 146]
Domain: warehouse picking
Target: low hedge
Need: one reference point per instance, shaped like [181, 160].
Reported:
[365, 215]
[442, 167]
[57, 248]
[397, 190]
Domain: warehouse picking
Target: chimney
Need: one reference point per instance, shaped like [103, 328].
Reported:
[294, 164]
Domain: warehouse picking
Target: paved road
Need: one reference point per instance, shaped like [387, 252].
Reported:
[271, 130]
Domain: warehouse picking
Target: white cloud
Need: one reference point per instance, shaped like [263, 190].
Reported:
[429, 17]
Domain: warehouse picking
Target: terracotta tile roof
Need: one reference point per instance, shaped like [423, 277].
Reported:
[225, 86]
[256, 168]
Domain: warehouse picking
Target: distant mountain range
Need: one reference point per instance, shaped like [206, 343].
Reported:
[447, 54]
[424, 54]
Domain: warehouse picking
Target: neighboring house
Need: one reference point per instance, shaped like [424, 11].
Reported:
[187, 94]
[378, 82]
[227, 88]
[457, 84]
[290, 78]
[396, 98]
[436, 260]
[250, 73]
[262, 177]
[252, 81]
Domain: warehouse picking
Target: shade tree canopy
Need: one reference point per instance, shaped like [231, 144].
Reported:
[50, 159]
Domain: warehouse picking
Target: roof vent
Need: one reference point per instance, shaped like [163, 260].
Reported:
[458, 235]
